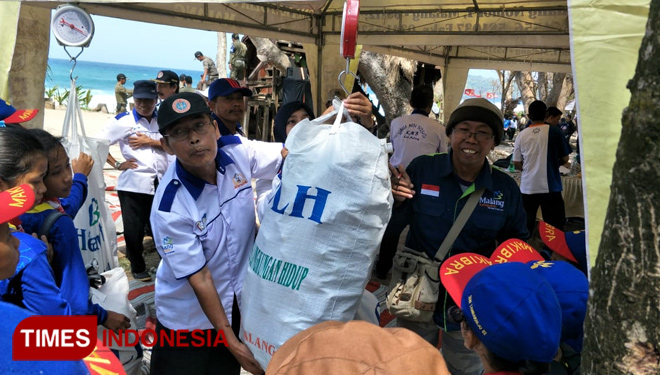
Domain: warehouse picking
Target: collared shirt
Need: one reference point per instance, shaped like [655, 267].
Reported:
[122, 93]
[209, 66]
[152, 162]
[197, 224]
[224, 130]
[416, 134]
[438, 200]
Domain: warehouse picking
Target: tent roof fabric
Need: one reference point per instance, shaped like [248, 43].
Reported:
[495, 34]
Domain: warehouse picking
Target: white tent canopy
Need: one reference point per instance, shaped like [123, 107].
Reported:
[456, 35]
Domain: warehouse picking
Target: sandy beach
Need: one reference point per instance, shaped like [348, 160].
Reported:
[93, 122]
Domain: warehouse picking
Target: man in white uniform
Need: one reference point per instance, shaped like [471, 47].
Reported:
[145, 162]
[204, 227]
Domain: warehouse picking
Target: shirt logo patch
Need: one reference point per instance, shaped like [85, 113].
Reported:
[202, 223]
[168, 245]
[495, 203]
[239, 180]
[180, 106]
[432, 190]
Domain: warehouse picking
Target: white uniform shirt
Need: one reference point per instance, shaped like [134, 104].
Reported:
[152, 162]
[413, 135]
[531, 147]
[196, 224]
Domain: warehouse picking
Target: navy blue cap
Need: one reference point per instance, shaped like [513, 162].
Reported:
[178, 106]
[144, 89]
[226, 87]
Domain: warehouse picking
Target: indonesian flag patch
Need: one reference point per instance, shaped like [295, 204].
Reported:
[432, 190]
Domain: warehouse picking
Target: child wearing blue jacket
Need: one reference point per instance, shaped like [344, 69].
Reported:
[67, 264]
[32, 285]
[14, 202]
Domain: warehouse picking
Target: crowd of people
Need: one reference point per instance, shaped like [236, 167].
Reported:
[185, 179]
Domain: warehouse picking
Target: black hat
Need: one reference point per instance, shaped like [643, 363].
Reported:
[481, 110]
[178, 106]
[120, 76]
[198, 54]
[279, 129]
[144, 89]
[234, 36]
[167, 76]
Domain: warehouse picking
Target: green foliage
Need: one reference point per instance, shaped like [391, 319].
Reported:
[50, 92]
[49, 73]
[84, 96]
[60, 96]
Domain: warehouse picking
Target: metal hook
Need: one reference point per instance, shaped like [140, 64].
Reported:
[74, 59]
[346, 72]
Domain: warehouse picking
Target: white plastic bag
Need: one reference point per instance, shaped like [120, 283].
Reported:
[97, 235]
[113, 296]
[319, 236]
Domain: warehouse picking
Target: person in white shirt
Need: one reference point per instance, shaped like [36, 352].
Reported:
[411, 135]
[417, 134]
[203, 221]
[512, 127]
[145, 162]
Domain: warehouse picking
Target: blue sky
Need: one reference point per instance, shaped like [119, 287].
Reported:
[137, 43]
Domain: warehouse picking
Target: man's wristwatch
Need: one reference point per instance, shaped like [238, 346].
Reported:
[117, 164]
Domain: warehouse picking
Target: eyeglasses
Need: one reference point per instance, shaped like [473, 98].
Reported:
[455, 315]
[479, 136]
[180, 133]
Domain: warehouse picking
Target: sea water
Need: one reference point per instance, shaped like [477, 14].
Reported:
[101, 78]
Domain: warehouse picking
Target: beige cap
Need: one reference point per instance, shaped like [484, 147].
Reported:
[356, 347]
[481, 110]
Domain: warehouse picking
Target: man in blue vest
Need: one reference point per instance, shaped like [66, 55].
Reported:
[432, 191]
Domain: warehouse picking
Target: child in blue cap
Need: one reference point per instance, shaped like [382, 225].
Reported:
[509, 314]
[566, 246]
[572, 290]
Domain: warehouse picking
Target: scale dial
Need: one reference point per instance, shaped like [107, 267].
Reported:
[72, 26]
[349, 28]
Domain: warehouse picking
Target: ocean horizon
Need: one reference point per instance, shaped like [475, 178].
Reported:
[101, 78]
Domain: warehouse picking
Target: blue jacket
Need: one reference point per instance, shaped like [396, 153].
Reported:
[33, 285]
[499, 215]
[76, 198]
[68, 265]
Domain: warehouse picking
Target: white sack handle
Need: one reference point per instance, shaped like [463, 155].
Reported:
[71, 118]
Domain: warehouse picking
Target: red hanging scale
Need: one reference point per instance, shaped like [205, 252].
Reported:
[349, 29]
